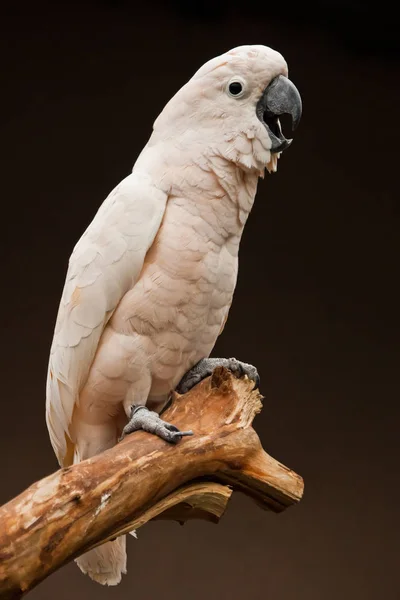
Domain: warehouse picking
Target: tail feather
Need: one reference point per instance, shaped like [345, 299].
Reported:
[105, 564]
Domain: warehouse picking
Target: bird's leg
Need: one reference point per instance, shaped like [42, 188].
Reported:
[143, 418]
[206, 366]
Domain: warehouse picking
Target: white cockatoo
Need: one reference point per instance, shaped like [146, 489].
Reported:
[150, 282]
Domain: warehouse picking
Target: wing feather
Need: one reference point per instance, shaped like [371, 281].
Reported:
[105, 264]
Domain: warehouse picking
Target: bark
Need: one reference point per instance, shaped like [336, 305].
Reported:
[143, 478]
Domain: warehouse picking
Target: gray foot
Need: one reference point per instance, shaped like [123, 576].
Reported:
[143, 418]
[206, 366]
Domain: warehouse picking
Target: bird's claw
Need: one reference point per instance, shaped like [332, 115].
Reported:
[169, 432]
[143, 418]
[177, 435]
[206, 366]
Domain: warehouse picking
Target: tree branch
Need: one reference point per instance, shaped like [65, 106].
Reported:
[143, 478]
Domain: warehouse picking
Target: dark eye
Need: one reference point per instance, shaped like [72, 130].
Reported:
[235, 88]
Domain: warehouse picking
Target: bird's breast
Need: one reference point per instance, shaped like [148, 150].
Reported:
[181, 300]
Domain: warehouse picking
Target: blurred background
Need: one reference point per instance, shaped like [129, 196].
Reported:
[316, 305]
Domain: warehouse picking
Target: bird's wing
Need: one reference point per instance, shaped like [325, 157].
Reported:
[105, 264]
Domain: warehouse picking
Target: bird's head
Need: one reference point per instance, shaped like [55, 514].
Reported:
[231, 107]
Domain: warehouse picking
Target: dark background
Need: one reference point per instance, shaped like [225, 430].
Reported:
[316, 306]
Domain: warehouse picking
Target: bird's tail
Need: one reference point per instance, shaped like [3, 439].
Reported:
[106, 563]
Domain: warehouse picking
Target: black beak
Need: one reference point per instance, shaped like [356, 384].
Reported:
[279, 98]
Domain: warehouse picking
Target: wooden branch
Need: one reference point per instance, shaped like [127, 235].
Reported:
[142, 478]
[202, 500]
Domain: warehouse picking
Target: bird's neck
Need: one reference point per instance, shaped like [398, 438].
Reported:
[213, 184]
[239, 186]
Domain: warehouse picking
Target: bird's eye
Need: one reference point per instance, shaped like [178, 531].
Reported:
[236, 87]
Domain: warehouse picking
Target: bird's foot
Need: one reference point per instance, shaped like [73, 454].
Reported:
[143, 418]
[206, 366]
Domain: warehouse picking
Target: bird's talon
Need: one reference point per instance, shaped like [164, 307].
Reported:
[206, 366]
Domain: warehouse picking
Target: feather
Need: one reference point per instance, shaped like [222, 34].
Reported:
[104, 265]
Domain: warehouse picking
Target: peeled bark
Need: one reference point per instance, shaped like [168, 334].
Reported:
[143, 478]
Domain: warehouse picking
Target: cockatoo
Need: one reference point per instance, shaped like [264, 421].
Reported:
[150, 283]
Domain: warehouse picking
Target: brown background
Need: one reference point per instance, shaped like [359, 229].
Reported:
[316, 306]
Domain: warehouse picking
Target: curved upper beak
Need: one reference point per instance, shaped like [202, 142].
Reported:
[279, 98]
